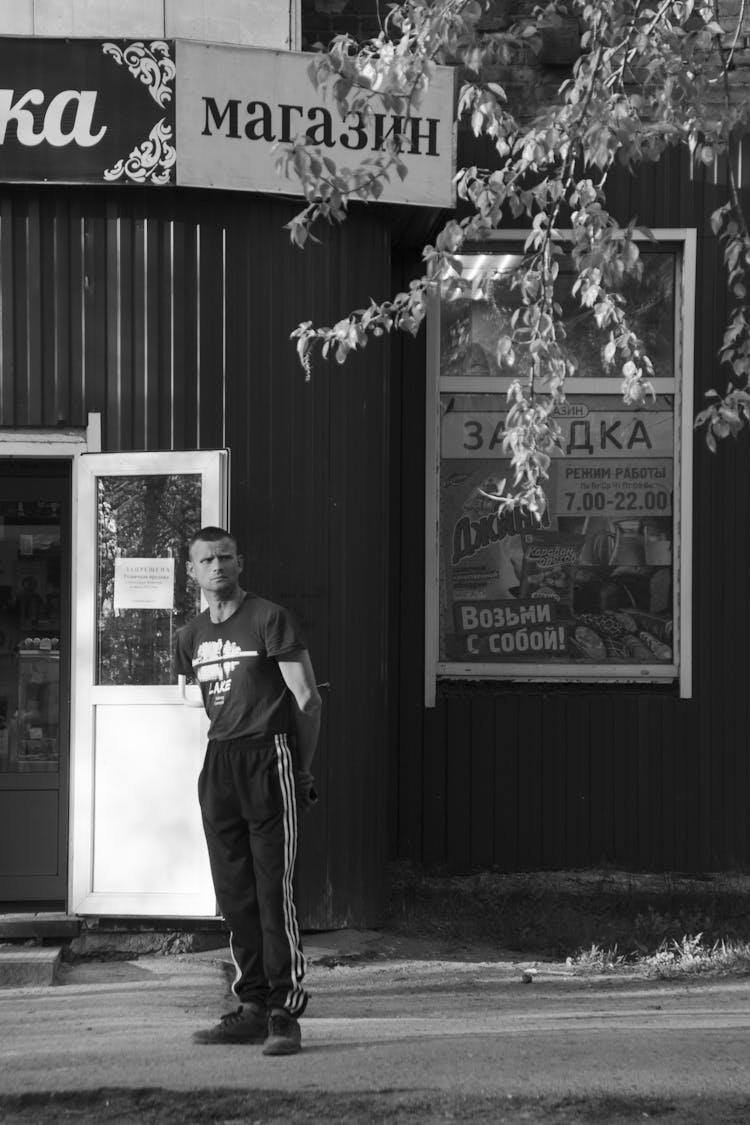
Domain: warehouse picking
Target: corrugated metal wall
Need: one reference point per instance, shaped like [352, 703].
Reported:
[553, 777]
[169, 312]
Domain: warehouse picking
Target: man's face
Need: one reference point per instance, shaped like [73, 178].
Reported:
[215, 566]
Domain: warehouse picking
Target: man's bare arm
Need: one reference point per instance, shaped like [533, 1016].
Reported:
[299, 677]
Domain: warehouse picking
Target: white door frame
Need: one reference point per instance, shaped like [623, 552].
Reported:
[137, 844]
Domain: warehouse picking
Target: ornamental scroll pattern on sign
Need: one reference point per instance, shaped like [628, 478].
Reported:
[154, 72]
[153, 160]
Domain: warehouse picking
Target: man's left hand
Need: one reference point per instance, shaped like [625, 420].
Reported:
[307, 795]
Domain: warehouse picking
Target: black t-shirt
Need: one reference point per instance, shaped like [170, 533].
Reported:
[235, 664]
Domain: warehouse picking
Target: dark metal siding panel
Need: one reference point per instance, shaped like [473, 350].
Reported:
[113, 423]
[672, 789]
[411, 750]
[721, 606]
[168, 403]
[91, 375]
[309, 465]
[506, 814]
[112, 302]
[626, 796]
[526, 717]
[143, 305]
[685, 753]
[33, 322]
[180, 401]
[464, 743]
[270, 498]
[55, 303]
[578, 782]
[7, 314]
[482, 781]
[359, 545]
[171, 314]
[210, 375]
[602, 766]
[22, 244]
[551, 766]
[435, 796]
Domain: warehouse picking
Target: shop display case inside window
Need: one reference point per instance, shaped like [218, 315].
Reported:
[36, 742]
[592, 590]
[29, 636]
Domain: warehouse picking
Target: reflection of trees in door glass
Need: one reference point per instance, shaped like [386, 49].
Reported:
[150, 517]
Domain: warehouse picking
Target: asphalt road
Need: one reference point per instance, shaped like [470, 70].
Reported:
[471, 1029]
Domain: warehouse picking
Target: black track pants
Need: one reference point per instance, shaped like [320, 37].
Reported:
[249, 810]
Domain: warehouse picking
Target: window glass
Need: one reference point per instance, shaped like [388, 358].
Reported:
[143, 592]
[30, 634]
[594, 586]
[469, 329]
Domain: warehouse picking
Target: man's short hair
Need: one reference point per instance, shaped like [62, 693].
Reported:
[212, 535]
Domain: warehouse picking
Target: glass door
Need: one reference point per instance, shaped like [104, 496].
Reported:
[34, 682]
[138, 843]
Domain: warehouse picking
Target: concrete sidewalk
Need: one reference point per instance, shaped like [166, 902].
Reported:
[379, 1023]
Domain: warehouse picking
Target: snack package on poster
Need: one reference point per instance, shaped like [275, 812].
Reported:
[550, 559]
[481, 546]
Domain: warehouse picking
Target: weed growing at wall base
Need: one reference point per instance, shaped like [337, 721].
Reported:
[671, 961]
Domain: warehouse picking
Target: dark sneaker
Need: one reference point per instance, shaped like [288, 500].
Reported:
[247, 1024]
[284, 1036]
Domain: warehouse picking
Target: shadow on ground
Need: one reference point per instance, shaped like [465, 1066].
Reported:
[256, 1107]
[556, 914]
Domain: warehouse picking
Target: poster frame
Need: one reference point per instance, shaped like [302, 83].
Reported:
[681, 386]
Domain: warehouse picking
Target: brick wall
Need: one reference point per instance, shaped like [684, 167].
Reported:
[530, 79]
[322, 20]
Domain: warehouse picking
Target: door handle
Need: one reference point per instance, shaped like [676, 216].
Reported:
[182, 684]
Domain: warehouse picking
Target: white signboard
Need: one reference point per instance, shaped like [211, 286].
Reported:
[234, 104]
[612, 434]
[144, 583]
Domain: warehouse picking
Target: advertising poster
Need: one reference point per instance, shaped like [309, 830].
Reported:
[593, 582]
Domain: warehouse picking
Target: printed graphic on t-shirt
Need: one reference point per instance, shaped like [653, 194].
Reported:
[211, 660]
[214, 663]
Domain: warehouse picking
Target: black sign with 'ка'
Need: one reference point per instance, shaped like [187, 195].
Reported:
[87, 111]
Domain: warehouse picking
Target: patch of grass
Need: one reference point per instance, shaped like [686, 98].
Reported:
[597, 960]
[672, 960]
[693, 955]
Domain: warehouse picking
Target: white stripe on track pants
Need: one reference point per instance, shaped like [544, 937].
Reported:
[249, 810]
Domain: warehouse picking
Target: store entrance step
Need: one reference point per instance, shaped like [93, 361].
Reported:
[40, 927]
[28, 967]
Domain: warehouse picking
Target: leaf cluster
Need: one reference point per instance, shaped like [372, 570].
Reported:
[650, 75]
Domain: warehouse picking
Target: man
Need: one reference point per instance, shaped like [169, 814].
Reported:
[251, 662]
